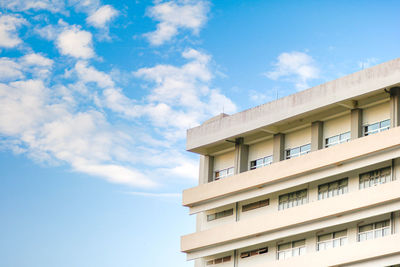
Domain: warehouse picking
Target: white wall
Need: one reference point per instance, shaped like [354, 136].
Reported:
[298, 138]
[376, 113]
[336, 126]
[224, 161]
[260, 149]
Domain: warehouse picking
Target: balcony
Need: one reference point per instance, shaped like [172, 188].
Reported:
[328, 158]
[317, 211]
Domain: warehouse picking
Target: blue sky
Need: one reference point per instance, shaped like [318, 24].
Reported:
[95, 98]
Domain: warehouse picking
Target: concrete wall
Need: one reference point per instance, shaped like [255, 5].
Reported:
[270, 258]
[376, 113]
[298, 138]
[224, 161]
[336, 126]
[260, 149]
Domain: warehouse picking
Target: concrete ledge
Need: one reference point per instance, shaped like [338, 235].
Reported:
[360, 252]
[354, 85]
[293, 217]
[314, 161]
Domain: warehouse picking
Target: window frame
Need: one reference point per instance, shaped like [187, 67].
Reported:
[371, 178]
[372, 234]
[339, 139]
[333, 241]
[379, 128]
[302, 150]
[267, 160]
[339, 191]
[293, 251]
[228, 172]
[293, 198]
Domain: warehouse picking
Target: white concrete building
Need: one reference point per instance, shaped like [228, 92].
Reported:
[311, 179]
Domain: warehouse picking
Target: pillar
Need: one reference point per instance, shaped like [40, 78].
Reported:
[316, 135]
[241, 156]
[206, 169]
[394, 107]
[279, 147]
[356, 123]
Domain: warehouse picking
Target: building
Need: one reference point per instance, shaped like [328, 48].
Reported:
[311, 179]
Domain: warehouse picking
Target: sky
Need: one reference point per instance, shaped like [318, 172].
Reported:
[96, 97]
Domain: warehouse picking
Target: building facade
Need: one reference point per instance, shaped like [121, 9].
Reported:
[311, 179]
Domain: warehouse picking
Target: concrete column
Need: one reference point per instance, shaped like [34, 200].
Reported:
[317, 138]
[241, 156]
[206, 169]
[356, 123]
[279, 147]
[394, 107]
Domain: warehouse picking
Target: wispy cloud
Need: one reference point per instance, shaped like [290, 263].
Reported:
[296, 67]
[369, 62]
[161, 195]
[25, 5]
[176, 15]
[9, 25]
[102, 16]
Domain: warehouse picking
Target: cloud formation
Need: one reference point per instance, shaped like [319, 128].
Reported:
[176, 15]
[296, 67]
[9, 25]
[75, 42]
[102, 16]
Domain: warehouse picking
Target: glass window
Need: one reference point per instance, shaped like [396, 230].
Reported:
[258, 163]
[337, 139]
[373, 230]
[224, 173]
[377, 127]
[254, 252]
[332, 189]
[291, 249]
[332, 240]
[292, 199]
[218, 215]
[255, 205]
[297, 151]
[375, 177]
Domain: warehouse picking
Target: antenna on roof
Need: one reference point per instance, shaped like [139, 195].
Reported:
[276, 93]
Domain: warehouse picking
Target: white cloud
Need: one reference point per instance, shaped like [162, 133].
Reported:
[41, 124]
[369, 62]
[90, 74]
[10, 70]
[176, 15]
[149, 194]
[34, 64]
[24, 5]
[181, 97]
[75, 42]
[9, 25]
[33, 59]
[102, 16]
[298, 67]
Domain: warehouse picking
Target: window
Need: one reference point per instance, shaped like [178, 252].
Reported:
[332, 240]
[297, 151]
[376, 127]
[223, 173]
[373, 230]
[332, 189]
[337, 139]
[375, 177]
[255, 205]
[291, 249]
[258, 163]
[219, 260]
[254, 252]
[292, 199]
[219, 215]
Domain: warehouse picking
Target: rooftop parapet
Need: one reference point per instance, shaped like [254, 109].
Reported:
[347, 89]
